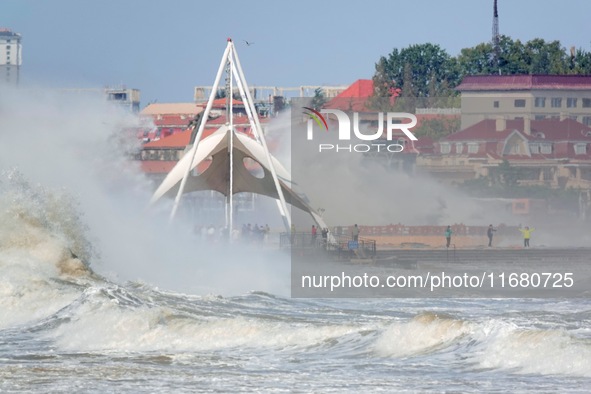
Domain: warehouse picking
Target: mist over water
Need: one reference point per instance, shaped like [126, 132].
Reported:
[356, 189]
[78, 144]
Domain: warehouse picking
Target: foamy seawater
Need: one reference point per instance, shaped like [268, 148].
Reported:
[65, 329]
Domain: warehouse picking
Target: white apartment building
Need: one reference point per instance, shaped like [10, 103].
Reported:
[11, 57]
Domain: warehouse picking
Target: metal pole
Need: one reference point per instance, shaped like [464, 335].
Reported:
[193, 150]
[231, 146]
[258, 133]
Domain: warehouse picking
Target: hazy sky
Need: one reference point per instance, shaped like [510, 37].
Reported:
[165, 48]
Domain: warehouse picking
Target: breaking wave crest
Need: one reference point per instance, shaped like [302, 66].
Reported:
[43, 250]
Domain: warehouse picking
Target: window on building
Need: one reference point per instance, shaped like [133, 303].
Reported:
[539, 117]
[556, 102]
[540, 102]
[520, 103]
[587, 120]
[514, 149]
[459, 147]
[571, 102]
[445, 147]
[546, 149]
[587, 103]
[580, 149]
[8, 47]
[534, 148]
[472, 148]
[496, 104]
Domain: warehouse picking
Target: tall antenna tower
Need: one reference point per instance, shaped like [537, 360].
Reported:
[495, 36]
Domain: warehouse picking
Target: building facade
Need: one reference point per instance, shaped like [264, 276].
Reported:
[127, 98]
[11, 57]
[550, 152]
[535, 97]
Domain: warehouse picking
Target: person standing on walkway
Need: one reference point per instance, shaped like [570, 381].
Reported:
[490, 233]
[526, 235]
[448, 234]
[355, 233]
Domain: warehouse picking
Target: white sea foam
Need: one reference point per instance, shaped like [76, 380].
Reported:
[506, 346]
[425, 333]
[106, 326]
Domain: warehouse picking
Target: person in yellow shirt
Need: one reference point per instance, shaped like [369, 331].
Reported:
[526, 235]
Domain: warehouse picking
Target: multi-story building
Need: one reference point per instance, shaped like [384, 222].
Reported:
[10, 56]
[535, 97]
[128, 99]
[549, 152]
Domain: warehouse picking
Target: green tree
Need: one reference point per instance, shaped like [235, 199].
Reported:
[383, 87]
[477, 60]
[422, 68]
[546, 58]
[319, 99]
[580, 62]
[507, 175]
[534, 57]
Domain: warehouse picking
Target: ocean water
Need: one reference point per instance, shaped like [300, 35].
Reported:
[65, 326]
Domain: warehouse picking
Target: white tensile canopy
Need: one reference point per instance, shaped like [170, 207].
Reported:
[217, 175]
[227, 149]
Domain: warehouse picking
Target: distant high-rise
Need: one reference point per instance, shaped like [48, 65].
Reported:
[10, 56]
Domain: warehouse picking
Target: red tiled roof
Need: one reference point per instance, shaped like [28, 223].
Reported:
[176, 140]
[354, 97]
[238, 120]
[560, 130]
[551, 129]
[165, 166]
[181, 139]
[171, 120]
[524, 82]
[362, 88]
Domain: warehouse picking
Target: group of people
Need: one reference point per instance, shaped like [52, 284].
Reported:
[248, 233]
[490, 233]
[313, 235]
[255, 233]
